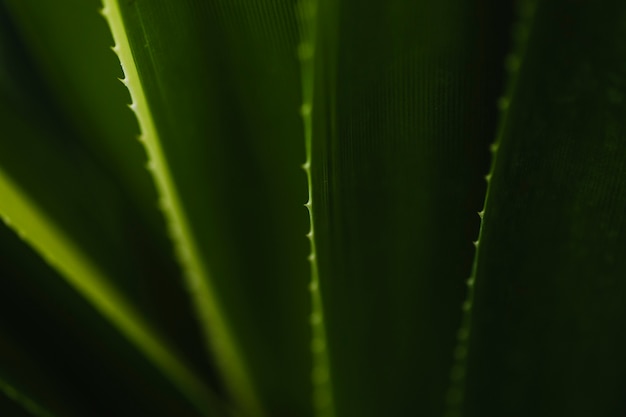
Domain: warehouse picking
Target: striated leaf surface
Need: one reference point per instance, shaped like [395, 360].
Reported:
[547, 329]
[217, 93]
[58, 198]
[69, 44]
[403, 112]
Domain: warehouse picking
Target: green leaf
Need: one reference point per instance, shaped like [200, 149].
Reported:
[61, 352]
[547, 326]
[216, 90]
[19, 404]
[67, 41]
[402, 118]
[71, 76]
[307, 13]
[71, 211]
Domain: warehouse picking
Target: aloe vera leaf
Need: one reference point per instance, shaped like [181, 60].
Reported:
[71, 212]
[402, 116]
[546, 332]
[216, 90]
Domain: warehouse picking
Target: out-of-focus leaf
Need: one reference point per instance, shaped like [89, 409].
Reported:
[69, 42]
[403, 112]
[547, 333]
[15, 403]
[61, 74]
[61, 353]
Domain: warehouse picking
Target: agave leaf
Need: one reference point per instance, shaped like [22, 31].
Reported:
[402, 114]
[71, 211]
[73, 68]
[63, 353]
[308, 11]
[519, 31]
[216, 90]
[547, 327]
[59, 248]
[69, 43]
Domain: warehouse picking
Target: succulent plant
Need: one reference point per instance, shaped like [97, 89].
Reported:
[312, 208]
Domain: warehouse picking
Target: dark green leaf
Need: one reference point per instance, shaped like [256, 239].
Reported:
[216, 91]
[403, 113]
[547, 328]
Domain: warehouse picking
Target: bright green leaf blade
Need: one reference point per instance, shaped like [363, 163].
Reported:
[216, 90]
[547, 328]
[403, 113]
[69, 41]
[307, 12]
[76, 266]
[69, 209]
[63, 353]
[75, 72]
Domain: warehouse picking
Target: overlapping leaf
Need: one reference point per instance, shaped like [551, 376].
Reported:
[216, 89]
[403, 113]
[74, 212]
[547, 328]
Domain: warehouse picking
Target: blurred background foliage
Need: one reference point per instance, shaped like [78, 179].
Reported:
[406, 99]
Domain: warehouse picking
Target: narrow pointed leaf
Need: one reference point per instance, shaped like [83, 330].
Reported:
[69, 41]
[547, 328]
[216, 90]
[70, 210]
[62, 353]
[402, 116]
